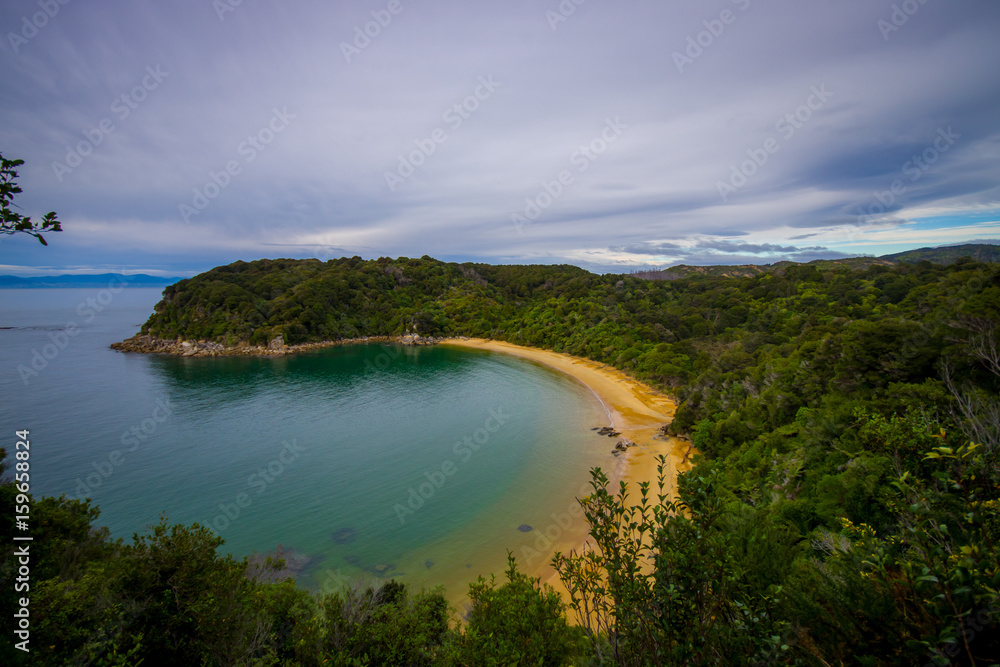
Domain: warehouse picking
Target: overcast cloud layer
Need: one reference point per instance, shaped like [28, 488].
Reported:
[172, 137]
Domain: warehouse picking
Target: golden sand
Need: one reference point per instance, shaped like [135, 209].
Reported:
[636, 410]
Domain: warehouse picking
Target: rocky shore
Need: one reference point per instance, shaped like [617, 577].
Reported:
[146, 344]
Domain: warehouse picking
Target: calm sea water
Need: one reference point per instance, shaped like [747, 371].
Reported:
[425, 464]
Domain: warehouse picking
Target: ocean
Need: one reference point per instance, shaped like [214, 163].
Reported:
[361, 462]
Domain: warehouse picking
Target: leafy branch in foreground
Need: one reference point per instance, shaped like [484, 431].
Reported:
[665, 582]
[12, 222]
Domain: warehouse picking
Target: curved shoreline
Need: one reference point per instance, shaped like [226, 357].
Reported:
[637, 411]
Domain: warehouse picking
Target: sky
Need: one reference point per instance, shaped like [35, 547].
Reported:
[174, 137]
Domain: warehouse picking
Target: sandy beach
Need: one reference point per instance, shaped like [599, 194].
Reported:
[634, 409]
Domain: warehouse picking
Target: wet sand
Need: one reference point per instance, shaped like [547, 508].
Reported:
[634, 409]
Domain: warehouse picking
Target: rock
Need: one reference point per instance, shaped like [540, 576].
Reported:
[624, 444]
[428, 564]
[417, 339]
[294, 563]
[525, 528]
[344, 536]
[146, 344]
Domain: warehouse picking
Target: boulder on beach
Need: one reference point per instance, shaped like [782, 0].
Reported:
[623, 445]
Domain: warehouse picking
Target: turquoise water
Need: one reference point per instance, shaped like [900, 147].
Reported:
[417, 463]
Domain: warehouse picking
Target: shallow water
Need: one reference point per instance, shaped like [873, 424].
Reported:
[372, 461]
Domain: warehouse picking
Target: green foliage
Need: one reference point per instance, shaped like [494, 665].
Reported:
[12, 222]
[675, 582]
[517, 623]
[949, 255]
[384, 625]
[843, 509]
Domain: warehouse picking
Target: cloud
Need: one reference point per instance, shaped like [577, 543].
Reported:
[705, 251]
[412, 97]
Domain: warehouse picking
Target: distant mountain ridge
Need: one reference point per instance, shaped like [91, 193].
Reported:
[99, 280]
[980, 252]
[943, 255]
[949, 254]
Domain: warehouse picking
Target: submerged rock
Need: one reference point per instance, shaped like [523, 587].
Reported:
[344, 536]
[265, 566]
[525, 528]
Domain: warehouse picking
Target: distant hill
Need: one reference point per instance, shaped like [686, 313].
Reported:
[942, 255]
[100, 280]
[948, 254]
[749, 270]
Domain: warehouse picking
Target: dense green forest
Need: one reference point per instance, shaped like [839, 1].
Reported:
[844, 510]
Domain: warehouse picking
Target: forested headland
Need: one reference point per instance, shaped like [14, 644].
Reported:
[844, 509]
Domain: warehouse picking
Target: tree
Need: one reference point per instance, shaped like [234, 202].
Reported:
[674, 582]
[12, 222]
[521, 622]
